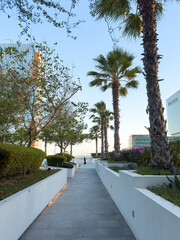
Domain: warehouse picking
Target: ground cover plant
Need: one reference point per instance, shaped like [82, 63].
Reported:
[11, 185]
[152, 171]
[172, 195]
[116, 169]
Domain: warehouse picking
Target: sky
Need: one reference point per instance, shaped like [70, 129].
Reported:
[93, 39]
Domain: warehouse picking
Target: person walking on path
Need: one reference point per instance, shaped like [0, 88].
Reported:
[84, 160]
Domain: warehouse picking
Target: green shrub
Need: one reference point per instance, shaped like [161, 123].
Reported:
[68, 156]
[16, 160]
[175, 151]
[68, 165]
[56, 160]
[141, 156]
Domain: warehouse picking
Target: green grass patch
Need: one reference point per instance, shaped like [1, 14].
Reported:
[112, 161]
[172, 195]
[9, 186]
[153, 171]
[116, 169]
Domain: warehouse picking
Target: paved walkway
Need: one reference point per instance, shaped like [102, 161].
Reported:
[84, 211]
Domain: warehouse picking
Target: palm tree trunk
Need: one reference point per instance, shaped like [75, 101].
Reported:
[161, 157]
[105, 141]
[96, 139]
[102, 139]
[115, 93]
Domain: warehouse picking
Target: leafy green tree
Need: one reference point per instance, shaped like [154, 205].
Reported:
[94, 135]
[8, 108]
[43, 87]
[114, 71]
[68, 127]
[36, 10]
[144, 20]
[46, 136]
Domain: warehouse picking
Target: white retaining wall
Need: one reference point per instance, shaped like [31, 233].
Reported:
[18, 211]
[149, 216]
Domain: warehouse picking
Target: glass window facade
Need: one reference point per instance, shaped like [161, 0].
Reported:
[173, 114]
[138, 141]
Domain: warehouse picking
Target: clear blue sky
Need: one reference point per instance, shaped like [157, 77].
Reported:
[93, 39]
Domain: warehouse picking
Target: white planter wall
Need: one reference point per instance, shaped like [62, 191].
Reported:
[149, 216]
[18, 211]
[71, 172]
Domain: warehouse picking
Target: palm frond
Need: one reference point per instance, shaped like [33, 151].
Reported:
[114, 9]
[132, 25]
[132, 72]
[93, 73]
[159, 10]
[97, 82]
[123, 91]
[105, 87]
[132, 84]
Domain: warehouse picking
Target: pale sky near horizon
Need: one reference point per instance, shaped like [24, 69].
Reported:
[93, 39]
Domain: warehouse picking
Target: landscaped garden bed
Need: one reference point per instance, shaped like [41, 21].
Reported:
[172, 195]
[144, 211]
[11, 185]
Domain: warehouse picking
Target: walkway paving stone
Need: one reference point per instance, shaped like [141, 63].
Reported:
[84, 211]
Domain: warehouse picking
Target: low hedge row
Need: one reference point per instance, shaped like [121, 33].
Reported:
[56, 160]
[68, 156]
[16, 160]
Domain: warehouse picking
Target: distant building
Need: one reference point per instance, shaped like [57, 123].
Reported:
[173, 114]
[138, 141]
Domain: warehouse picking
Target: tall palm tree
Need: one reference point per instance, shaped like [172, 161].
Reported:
[99, 109]
[108, 116]
[94, 135]
[145, 20]
[115, 72]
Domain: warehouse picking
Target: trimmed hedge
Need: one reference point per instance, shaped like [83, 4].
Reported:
[56, 160]
[68, 156]
[16, 160]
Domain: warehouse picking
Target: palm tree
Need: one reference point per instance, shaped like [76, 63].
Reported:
[99, 109]
[114, 72]
[94, 135]
[108, 116]
[145, 21]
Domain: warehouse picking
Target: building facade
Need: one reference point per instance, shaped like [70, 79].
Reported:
[173, 114]
[138, 141]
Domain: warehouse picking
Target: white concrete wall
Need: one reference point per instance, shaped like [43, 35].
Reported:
[71, 172]
[149, 216]
[18, 211]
